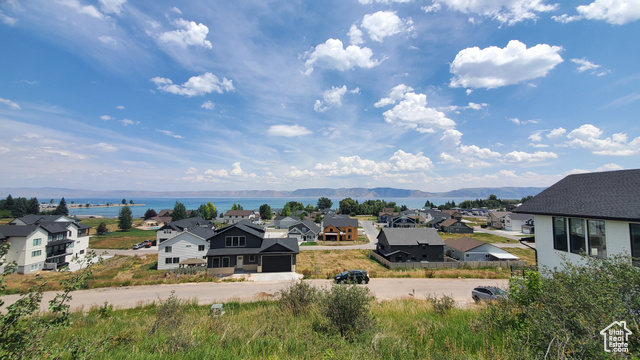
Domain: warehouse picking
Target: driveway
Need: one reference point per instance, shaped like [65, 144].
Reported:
[210, 293]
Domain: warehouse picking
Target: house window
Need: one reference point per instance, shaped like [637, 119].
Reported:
[70, 246]
[215, 262]
[36, 253]
[167, 249]
[634, 230]
[577, 236]
[174, 260]
[597, 239]
[60, 237]
[252, 258]
[225, 261]
[167, 231]
[200, 247]
[560, 234]
[35, 267]
[37, 242]
[235, 241]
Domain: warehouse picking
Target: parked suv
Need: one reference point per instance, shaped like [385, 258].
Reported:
[357, 276]
[487, 293]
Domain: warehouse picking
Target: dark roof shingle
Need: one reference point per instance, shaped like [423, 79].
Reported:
[612, 195]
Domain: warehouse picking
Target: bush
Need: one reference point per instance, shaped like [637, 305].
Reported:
[441, 305]
[347, 310]
[562, 313]
[298, 297]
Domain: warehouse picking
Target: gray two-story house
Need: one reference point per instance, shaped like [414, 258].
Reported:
[242, 247]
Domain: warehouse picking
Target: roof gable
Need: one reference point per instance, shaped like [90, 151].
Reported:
[464, 243]
[411, 236]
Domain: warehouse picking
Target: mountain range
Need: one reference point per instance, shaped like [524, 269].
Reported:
[375, 193]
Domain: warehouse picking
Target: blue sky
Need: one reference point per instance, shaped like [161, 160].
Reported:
[227, 95]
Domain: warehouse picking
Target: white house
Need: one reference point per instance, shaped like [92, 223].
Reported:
[304, 230]
[595, 213]
[183, 248]
[469, 249]
[515, 221]
[36, 240]
[236, 216]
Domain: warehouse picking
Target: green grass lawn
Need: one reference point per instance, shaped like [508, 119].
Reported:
[121, 239]
[404, 329]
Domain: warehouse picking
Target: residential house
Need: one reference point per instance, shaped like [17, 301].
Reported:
[402, 221]
[495, 219]
[174, 228]
[515, 221]
[454, 226]
[283, 222]
[469, 249]
[386, 214]
[236, 216]
[304, 230]
[44, 241]
[243, 247]
[188, 248]
[529, 227]
[339, 228]
[410, 244]
[594, 213]
[453, 214]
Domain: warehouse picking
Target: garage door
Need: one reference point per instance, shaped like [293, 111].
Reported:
[276, 263]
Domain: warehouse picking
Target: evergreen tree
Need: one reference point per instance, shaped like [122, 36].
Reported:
[19, 207]
[33, 206]
[179, 212]
[102, 228]
[62, 208]
[125, 218]
[150, 213]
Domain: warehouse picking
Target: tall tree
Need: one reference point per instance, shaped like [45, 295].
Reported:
[324, 203]
[33, 206]
[62, 208]
[265, 212]
[286, 211]
[150, 213]
[125, 218]
[213, 212]
[19, 207]
[124, 201]
[131, 202]
[179, 212]
[348, 206]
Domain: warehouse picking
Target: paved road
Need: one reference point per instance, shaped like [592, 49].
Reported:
[209, 293]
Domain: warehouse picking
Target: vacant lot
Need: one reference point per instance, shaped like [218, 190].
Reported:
[121, 239]
[324, 264]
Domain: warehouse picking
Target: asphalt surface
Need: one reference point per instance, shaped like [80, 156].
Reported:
[210, 293]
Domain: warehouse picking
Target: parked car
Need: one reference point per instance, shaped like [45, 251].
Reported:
[137, 246]
[358, 276]
[487, 293]
[147, 243]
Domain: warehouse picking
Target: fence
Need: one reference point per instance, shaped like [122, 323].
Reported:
[445, 265]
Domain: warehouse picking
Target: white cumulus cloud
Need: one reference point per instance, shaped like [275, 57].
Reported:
[494, 67]
[590, 137]
[476, 151]
[208, 105]
[615, 12]
[524, 157]
[82, 9]
[333, 98]
[451, 136]
[404, 161]
[188, 34]
[504, 11]
[412, 111]
[383, 24]
[355, 35]
[332, 55]
[288, 130]
[196, 85]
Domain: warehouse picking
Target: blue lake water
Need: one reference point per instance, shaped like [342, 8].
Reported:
[223, 204]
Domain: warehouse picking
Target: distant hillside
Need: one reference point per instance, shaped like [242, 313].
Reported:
[375, 193]
[483, 193]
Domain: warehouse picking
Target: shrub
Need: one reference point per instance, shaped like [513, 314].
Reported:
[562, 313]
[441, 305]
[347, 310]
[298, 297]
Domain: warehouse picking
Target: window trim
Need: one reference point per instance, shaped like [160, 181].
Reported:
[37, 241]
[36, 253]
[168, 249]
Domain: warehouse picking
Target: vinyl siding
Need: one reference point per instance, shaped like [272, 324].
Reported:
[183, 246]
